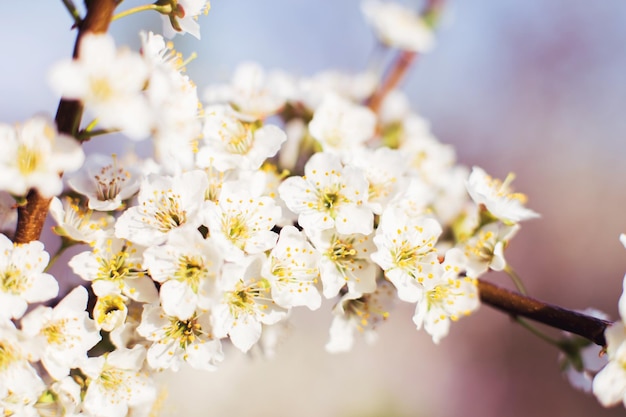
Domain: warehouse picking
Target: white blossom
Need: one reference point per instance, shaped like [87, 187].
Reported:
[164, 204]
[246, 304]
[447, 297]
[345, 262]
[497, 197]
[609, 385]
[359, 314]
[110, 312]
[20, 385]
[341, 126]
[117, 386]
[187, 267]
[109, 82]
[175, 340]
[232, 140]
[114, 266]
[485, 249]
[173, 100]
[241, 222]
[64, 333]
[292, 271]
[22, 280]
[252, 91]
[105, 182]
[183, 19]
[398, 26]
[329, 195]
[34, 154]
[406, 252]
[384, 169]
[78, 223]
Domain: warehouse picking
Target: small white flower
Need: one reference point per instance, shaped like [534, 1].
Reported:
[398, 26]
[187, 267]
[252, 91]
[354, 314]
[497, 197]
[355, 87]
[178, 340]
[173, 100]
[22, 280]
[64, 334]
[110, 312]
[609, 385]
[329, 195]
[341, 126]
[183, 19]
[292, 271]
[20, 386]
[109, 82]
[114, 266]
[581, 365]
[117, 386]
[232, 141]
[428, 158]
[34, 154]
[384, 169]
[105, 182]
[240, 223]
[345, 261]
[246, 304]
[485, 250]
[165, 203]
[79, 223]
[406, 252]
[447, 297]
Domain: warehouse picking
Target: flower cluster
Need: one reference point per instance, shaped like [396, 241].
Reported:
[275, 192]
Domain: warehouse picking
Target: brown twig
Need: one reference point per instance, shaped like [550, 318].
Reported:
[397, 72]
[519, 305]
[404, 60]
[32, 215]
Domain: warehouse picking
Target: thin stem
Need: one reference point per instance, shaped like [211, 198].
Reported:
[161, 9]
[65, 244]
[525, 324]
[517, 281]
[405, 59]
[85, 135]
[399, 69]
[515, 304]
[69, 5]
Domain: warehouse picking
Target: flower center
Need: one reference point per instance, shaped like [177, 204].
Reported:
[54, 332]
[8, 355]
[191, 270]
[28, 159]
[185, 331]
[242, 300]
[110, 181]
[13, 281]
[169, 215]
[236, 229]
[101, 89]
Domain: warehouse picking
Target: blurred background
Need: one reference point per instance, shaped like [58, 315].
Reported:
[533, 87]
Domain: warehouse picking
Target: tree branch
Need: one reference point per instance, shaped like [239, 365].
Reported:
[32, 215]
[400, 67]
[519, 305]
